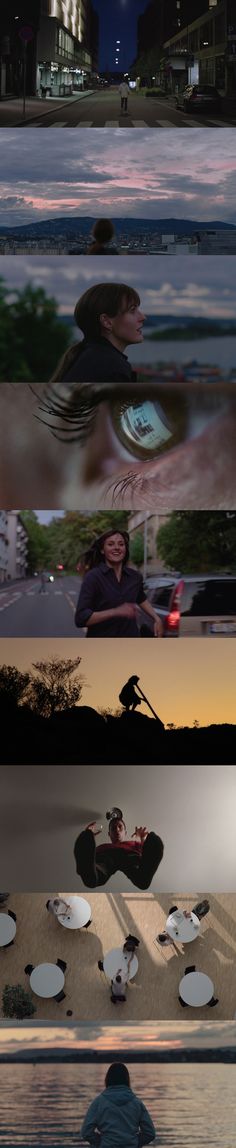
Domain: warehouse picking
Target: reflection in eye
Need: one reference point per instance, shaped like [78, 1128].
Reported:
[150, 427]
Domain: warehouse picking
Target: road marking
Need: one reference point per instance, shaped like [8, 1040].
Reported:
[112, 124]
[83, 124]
[165, 124]
[58, 592]
[139, 123]
[60, 124]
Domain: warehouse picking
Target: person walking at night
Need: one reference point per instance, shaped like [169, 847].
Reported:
[110, 318]
[42, 583]
[124, 93]
[138, 857]
[111, 593]
[117, 1118]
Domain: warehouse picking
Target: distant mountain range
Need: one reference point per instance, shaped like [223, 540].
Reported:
[132, 1056]
[68, 225]
[216, 326]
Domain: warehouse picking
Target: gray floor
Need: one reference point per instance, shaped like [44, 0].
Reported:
[42, 809]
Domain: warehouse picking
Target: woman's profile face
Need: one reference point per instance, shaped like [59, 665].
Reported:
[114, 549]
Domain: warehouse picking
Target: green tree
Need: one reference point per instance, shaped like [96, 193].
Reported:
[16, 1002]
[66, 538]
[51, 690]
[198, 541]
[32, 336]
[137, 549]
[36, 552]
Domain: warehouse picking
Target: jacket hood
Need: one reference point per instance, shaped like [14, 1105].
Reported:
[119, 1095]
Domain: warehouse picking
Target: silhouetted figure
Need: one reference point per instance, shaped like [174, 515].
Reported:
[103, 232]
[128, 697]
[42, 583]
[138, 857]
[124, 93]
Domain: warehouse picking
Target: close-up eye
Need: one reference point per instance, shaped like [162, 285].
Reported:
[146, 428]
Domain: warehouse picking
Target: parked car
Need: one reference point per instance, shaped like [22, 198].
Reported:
[192, 606]
[199, 98]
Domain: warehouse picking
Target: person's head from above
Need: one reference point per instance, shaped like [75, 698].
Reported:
[103, 230]
[118, 979]
[117, 830]
[117, 1075]
[110, 311]
[112, 547]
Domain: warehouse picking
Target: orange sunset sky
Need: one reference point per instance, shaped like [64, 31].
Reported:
[167, 1034]
[184, 680]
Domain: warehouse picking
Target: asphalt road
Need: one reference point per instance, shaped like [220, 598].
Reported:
[25, 612]
[102, 109]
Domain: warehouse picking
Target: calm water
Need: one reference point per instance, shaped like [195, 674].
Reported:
[191, 1105]
[220, 352]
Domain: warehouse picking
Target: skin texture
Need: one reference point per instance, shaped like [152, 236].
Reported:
[36, 470]
[125, 328]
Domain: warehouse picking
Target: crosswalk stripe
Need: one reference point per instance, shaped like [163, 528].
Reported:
[165, 124]
[84, 124]
[59, 124]
[58, 592]
[112, 124]
[139, 123]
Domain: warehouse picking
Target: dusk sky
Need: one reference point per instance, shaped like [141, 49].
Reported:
[118, 21]
[198, 681]
[175, 286]
[171, 1034]
[185, 174]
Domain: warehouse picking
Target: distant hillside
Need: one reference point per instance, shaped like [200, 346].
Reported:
[70, 225]
[132, 1056]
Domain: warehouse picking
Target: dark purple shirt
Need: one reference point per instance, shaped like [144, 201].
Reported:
[101, 591]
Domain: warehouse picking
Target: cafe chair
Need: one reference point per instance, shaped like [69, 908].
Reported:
[100, 966]
[183, 1003]
[61, 965]
[130, 944]
[11, 914]
[174, 909]
[163, 939]
[213, 1002]
[29, 969]
[59, 996]
[88, 924]
[4, 897]
[8, 944]
[201, 909]
[189, 969]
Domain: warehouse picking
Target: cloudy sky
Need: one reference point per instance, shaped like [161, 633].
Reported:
[188, 1033]
[189, 286]
[185, 174]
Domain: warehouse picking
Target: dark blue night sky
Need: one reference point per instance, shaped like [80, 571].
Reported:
[118, 21]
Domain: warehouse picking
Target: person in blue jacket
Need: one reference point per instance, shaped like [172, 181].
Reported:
[117, 1118]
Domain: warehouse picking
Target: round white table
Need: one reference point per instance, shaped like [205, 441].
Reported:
[79, 916]
[47, 980]
[196, 989]
[7, 929]
[182, 928]
[115, 960]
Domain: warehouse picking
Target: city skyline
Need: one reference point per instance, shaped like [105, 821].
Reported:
[205, 287]
[185, 687]
[192, 177]
[166, 1034]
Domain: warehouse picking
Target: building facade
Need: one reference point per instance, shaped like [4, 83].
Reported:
[145, 523]
[204, 51]
[17, 546]
[62, 53]
[3, 545]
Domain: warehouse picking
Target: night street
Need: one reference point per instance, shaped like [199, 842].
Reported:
[27, 611]
[102, 109]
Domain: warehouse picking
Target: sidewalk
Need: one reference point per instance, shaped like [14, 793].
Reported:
[11, 111]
